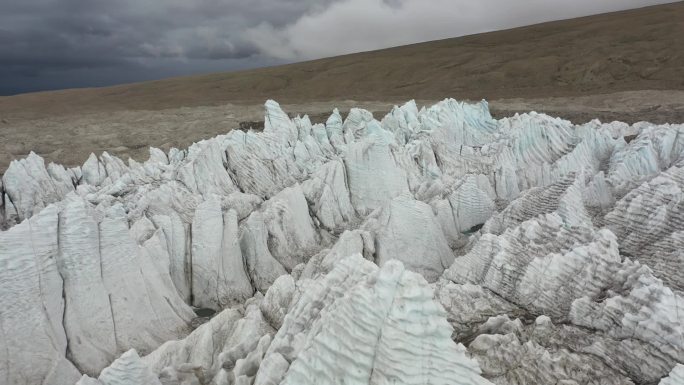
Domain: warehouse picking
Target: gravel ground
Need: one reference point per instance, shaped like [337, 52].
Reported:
[69, 139]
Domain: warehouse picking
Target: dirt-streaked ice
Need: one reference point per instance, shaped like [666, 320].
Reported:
[437, 245]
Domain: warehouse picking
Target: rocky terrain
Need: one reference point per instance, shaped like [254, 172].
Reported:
[438, 245]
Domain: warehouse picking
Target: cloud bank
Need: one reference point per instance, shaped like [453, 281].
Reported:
[360, 25]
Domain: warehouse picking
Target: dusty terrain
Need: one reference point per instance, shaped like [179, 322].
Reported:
[626, 65]
[69, 139]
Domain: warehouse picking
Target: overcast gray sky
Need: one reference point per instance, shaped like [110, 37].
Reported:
[51, 44]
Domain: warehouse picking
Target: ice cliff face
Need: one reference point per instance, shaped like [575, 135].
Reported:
[434, 246]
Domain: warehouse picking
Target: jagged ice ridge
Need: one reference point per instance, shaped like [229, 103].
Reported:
[436, 246]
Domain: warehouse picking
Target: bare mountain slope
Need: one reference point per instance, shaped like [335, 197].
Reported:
[630, 50]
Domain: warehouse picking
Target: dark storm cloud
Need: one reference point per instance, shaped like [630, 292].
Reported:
[46, 44]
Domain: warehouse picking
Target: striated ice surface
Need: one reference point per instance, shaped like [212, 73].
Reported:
[676, 376]
[434, 246]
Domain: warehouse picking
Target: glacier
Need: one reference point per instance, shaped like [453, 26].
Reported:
[434, 246]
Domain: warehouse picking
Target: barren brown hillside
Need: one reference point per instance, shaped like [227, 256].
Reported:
[630, 50]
